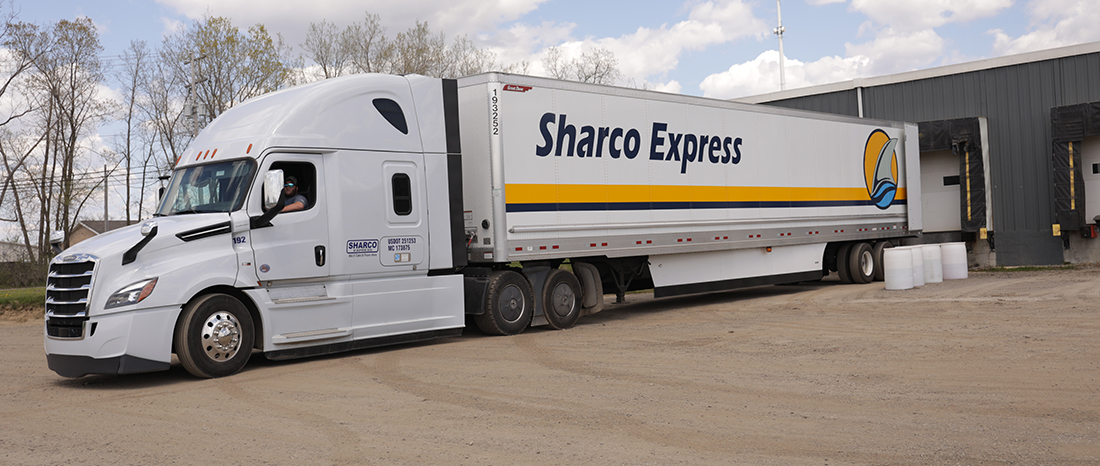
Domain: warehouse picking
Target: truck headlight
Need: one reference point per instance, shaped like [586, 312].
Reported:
[131, 294]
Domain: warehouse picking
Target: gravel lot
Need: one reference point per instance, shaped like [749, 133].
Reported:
[1001, 368]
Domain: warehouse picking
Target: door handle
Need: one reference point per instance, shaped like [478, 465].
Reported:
[319, 255]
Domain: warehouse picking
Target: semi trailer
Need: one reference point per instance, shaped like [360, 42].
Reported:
[501, 200]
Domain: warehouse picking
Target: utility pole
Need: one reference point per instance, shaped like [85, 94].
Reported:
[105, 198]
[779, 32]
[192, 102]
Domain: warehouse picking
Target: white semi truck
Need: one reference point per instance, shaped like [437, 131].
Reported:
[557, 192]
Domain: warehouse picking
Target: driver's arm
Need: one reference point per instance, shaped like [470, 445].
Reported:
[294, 206]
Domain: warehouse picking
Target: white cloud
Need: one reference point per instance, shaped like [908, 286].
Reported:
[649, 52]
[672, 87]
[890, 52]
[915, 15]
[1055, 23]
[524, 42]
[761, 75]
[902, 37]
[288, 17]
[171, 26]
[893, 51]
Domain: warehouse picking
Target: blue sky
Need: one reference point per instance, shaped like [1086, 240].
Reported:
[721, 48]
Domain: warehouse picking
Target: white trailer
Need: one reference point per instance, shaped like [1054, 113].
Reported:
[512, 199]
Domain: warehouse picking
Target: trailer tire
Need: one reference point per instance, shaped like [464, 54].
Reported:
[879, 264]
[214, 336]
[508, 304]
[862, 263]
[561, 299]
[842, 263]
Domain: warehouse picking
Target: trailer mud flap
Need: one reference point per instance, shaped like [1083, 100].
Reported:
[592, 285]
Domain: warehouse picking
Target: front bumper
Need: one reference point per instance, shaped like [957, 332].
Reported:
[77, 366]
[119, 343]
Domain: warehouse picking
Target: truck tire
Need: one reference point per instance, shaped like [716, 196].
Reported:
[879, 265]
[508, 304]
[214, 336]
[862, 263]
[561, 299]
[842, 261]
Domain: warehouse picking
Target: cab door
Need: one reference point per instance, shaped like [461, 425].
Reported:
[295, 246]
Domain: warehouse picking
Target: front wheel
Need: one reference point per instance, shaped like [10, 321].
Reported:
[214, 336]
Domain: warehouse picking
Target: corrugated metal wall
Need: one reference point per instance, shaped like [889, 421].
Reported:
[1016, 100]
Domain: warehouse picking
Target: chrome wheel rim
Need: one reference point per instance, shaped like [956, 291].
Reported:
[867, 263]
[221, 336]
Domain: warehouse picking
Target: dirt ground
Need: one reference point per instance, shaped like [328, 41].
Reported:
[1001, 368]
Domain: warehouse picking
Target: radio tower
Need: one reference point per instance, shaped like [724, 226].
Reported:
[779, 32]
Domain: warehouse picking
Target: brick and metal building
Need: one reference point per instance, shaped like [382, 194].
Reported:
[1010, 149]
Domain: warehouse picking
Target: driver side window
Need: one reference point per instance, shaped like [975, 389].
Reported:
[299, 183]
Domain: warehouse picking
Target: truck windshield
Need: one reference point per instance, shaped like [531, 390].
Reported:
[216, 187]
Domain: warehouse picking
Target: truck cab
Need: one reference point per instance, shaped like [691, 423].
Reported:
[220, 271]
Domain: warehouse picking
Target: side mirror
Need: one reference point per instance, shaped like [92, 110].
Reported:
[274, 197]
[56, 238]
[273, 187]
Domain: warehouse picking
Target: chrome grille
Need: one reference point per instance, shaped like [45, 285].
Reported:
[68, 286]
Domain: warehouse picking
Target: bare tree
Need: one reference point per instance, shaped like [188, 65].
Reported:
[555, 65]
[417, 50]
[67, 76]
[597, 66]
[132, 76]
[232, 66]
[465, 59]
[163, 107]
[329, 48]
[27, 45]
[15, 152]
[367, 44]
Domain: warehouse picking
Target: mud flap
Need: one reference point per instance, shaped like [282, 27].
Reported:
[592, 285]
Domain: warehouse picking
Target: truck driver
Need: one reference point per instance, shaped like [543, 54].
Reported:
[294, 201]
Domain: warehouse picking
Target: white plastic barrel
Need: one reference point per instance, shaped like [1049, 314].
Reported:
[897, 268]
[918, 264]
[954, 260]
[933, 263]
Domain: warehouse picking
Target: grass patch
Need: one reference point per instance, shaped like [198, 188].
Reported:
[20, 305]
[23, 297]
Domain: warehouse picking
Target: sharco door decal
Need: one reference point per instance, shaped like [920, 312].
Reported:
[880, 168]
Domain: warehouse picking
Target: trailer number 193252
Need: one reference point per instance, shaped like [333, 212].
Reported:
[494, 109]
